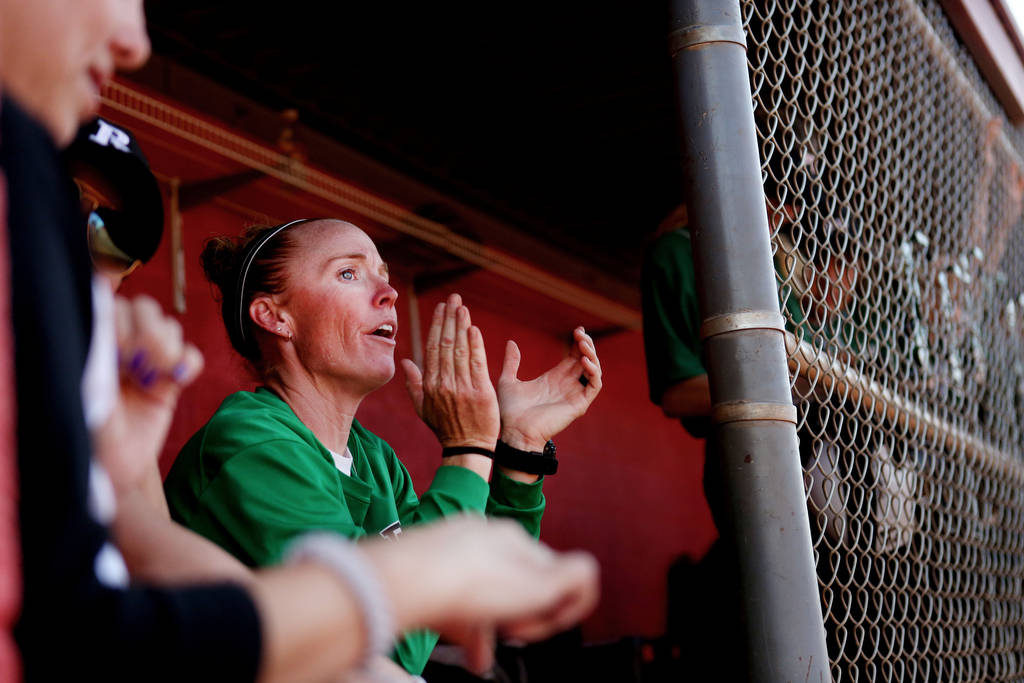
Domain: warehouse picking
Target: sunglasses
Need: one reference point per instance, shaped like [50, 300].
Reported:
[99, 221]
[102, 248]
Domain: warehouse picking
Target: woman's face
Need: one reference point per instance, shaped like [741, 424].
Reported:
[340, 306]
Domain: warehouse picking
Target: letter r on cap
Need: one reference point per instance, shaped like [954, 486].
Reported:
[108, 135]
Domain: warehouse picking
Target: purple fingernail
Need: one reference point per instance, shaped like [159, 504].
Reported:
[179, 372]
[138, 360]
[147, 379]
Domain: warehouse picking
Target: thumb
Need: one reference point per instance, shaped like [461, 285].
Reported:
[510, 367]
[413, 384]
[477, 643]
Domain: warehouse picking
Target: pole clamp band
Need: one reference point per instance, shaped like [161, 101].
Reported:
[691, 36]
[744, 320]
[745, 411]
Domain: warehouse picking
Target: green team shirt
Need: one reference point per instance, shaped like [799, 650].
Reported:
[670, 314]
[255, 477]
[671, 318]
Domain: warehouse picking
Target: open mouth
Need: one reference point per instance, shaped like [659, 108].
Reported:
[387, 330]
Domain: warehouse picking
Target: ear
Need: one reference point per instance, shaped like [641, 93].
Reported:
[266, 314]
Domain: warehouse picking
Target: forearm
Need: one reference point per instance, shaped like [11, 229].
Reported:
[380, 670]
[151, 488]
[311, 624]
[465, 578]
[689, 398]
[474, 462]
[161, 551]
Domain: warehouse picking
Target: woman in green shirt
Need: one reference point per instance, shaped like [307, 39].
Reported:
[308, 303]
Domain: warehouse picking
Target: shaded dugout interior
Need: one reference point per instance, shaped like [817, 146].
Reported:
[544, 135]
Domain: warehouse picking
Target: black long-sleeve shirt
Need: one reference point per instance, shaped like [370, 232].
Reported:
[73, 623]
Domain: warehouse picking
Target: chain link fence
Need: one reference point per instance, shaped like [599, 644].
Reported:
[895, 190]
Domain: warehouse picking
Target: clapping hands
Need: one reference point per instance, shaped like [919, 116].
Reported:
[536, 410]
[455, 397]
[454, 394]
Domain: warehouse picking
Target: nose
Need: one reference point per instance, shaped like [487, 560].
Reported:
[129, 43]
[386, 294]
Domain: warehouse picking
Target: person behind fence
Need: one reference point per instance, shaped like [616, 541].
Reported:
[678, 384]
[308, 303]
[311, 620]
[859, 479]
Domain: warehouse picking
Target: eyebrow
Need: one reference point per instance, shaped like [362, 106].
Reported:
[357, 256]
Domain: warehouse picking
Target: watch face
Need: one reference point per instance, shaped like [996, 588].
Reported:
[549, 449]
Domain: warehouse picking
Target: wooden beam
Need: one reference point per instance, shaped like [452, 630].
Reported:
[994, 49]
[516, 265]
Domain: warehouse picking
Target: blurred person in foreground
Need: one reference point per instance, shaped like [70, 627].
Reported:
[333, 606]
[123, 216]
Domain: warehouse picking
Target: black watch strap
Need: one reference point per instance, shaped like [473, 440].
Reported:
[530, 462]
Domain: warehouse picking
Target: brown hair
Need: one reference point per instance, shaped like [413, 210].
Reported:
[223, 259]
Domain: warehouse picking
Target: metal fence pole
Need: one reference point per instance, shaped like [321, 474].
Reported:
[753, 412]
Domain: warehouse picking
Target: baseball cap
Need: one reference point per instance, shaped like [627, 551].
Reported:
[113, 152]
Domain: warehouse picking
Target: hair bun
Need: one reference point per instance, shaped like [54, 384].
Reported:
[220, 261]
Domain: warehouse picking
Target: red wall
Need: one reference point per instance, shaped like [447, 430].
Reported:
[629, 483]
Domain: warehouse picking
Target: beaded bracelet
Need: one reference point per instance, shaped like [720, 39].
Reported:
[352, 568]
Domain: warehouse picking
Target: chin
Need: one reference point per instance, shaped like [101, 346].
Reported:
[379, 378]
[387, 377]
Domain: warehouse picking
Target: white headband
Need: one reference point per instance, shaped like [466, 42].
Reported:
[244, 272]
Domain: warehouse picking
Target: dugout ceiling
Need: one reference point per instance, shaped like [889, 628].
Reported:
[556, 118]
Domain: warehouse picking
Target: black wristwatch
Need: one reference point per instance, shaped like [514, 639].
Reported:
[530, 462]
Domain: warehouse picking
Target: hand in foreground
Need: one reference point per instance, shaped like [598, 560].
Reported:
[536, 410]
[472, 579]
[380, 670]
[454, 394]
[155, 364]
